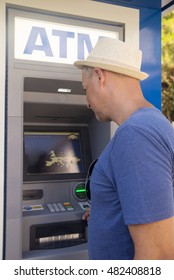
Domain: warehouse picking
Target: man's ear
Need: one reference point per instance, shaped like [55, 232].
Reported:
[100, 74]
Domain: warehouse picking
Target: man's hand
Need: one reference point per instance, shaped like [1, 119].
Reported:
[86, 215]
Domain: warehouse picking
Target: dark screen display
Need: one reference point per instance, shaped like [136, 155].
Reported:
[52, 153]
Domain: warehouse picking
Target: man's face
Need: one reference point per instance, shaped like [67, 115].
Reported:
[94, 93]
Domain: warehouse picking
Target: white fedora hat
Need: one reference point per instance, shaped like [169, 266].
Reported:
[116, 56]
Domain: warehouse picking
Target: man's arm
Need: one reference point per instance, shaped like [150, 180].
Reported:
[154, 241]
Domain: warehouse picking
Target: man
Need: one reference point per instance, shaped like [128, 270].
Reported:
[132, 193]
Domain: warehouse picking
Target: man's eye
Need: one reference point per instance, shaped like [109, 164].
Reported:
[84, 90]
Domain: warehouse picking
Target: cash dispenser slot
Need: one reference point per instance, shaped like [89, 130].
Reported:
[57, 235]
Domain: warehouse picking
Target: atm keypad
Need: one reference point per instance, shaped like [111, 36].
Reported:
[51, 208]
[68, 206]
[60, 207]
[55, 206]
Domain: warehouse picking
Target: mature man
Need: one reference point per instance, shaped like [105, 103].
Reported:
[132, 192]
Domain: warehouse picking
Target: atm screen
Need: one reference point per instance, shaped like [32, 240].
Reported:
[54, 155]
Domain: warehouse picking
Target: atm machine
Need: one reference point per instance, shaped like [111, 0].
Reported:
[52, 136]
[56, 155]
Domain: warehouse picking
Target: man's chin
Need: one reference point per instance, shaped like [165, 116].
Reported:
[102, 118]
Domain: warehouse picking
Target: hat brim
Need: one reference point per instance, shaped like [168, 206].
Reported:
[113, 68]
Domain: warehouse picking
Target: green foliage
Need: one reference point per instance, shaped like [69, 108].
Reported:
[168, 65]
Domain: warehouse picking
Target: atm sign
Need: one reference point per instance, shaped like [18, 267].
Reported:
[54, 42]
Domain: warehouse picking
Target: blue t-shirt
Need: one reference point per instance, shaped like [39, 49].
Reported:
[132, 183]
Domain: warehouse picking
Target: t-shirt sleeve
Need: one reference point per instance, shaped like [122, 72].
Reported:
[142, 170]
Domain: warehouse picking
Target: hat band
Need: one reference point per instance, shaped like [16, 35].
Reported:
[110, 62]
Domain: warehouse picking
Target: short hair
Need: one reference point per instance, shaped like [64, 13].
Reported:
[89, 70]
